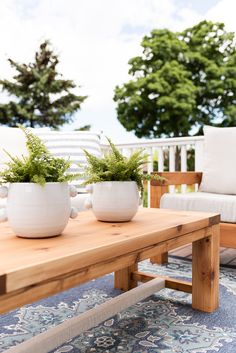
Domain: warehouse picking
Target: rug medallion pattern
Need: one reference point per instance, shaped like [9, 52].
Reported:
[162, 323]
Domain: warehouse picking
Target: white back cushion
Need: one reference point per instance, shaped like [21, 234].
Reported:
[13, 141]
[219, 168]
[70, 145]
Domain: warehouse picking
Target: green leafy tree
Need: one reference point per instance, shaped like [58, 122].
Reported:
[182, 81]
[41, 96]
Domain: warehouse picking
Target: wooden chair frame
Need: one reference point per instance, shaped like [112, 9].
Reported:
[227, 230]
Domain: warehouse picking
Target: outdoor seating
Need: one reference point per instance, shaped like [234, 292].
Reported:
[64, 144]
[216, 192]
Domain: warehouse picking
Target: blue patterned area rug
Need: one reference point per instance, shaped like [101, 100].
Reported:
[162, 323]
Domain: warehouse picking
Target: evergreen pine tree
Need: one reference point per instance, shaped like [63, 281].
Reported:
[41, 96]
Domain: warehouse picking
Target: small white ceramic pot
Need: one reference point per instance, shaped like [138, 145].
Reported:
[35, 211]
[114, 201]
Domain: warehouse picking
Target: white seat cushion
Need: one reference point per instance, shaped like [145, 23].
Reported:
[202, 201]
[219, 167]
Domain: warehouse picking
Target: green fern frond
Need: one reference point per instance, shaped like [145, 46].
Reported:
[113, 166]
[40, 166]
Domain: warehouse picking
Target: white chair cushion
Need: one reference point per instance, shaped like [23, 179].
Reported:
[3, 203]
[203, 202]
[219, 165]
[12, 140]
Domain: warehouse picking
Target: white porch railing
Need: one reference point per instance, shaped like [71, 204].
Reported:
[160, 150]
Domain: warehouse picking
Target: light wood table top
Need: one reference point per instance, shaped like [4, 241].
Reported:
[31, 269]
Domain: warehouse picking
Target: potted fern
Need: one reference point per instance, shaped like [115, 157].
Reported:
[115, 183]
[38, 194]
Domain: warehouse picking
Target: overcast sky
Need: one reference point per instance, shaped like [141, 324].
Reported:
[95, 39]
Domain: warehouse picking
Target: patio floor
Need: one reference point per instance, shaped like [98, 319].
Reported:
[227, 255]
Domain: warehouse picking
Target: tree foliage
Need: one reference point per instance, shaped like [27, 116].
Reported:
[41, 96]
[182, 81]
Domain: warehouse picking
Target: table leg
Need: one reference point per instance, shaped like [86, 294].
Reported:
[205, 282]
[123, 280]
[160, 259]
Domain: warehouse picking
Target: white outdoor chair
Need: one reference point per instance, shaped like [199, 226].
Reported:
[217, 185]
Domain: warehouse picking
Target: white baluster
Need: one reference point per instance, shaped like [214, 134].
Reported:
[149, 170]
[160, 159]
[130, 151]
[183, 165]
[172, 165]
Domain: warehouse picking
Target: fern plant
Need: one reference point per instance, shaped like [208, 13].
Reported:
[116, 167]
[40, 166]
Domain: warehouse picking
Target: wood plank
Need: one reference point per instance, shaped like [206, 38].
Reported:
[227, 255]
[156, 194]
[228, 235]
[232, 262]
[34, 261]
[177, 178]
[160, 258]
[123, 279]
[171, 283]
[62, 282]
[205, 268]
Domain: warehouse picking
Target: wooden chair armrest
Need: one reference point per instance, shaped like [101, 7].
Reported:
[177, 178]
[159, 188]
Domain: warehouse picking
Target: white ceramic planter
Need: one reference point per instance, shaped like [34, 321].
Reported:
[36, 211]
[114, 201]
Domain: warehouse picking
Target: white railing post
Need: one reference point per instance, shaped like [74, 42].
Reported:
[172, 165]
[149, 170]
[183, 156]
[162, 144]
[160, 158]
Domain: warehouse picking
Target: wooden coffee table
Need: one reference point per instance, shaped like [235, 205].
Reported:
[37, 268]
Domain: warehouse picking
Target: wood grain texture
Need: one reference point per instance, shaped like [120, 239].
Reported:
[123, 278]
[205, 268]
[160, 259]
[228, 235]
[31, 269]
[171, 283]
[156, 194]
[86, 241]
[177, 178]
